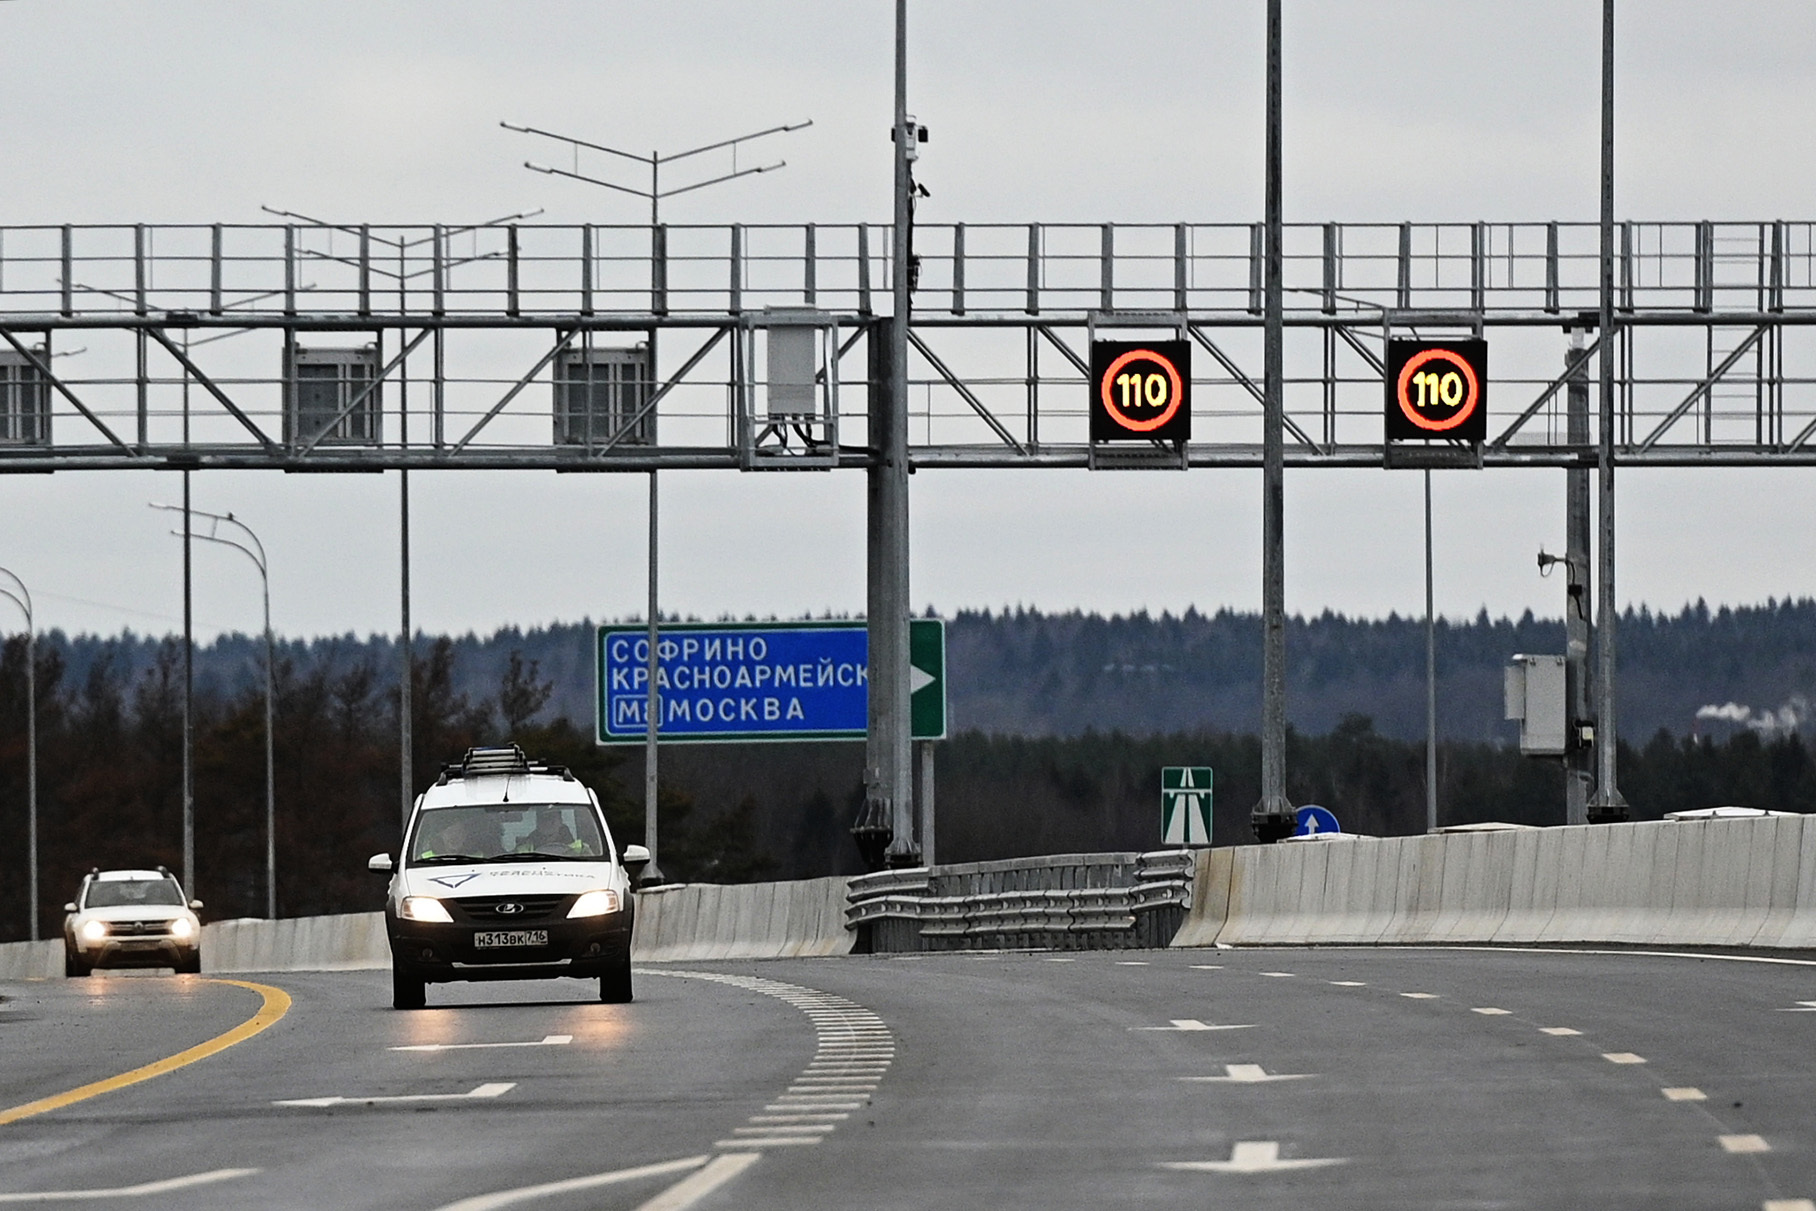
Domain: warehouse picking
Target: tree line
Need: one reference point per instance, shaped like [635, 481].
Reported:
[110, 756]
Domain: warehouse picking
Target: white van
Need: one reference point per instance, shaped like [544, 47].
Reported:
[508, 872]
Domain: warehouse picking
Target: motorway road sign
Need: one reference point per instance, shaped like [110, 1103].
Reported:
[1313, 820]
[759, 681]
[1185, 805]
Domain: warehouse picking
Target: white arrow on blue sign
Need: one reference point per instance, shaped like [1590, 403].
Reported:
[1313, 820]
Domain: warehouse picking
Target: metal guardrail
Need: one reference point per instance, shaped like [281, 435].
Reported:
[1069, 902]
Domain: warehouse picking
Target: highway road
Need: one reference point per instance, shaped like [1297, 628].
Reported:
[1256, 1079]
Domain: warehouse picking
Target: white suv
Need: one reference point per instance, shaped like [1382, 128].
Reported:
[131, 918]
[508, 872]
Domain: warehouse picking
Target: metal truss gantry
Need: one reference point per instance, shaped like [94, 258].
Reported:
[117, 350]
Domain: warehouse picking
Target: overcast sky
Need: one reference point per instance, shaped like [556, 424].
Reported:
[1048, 110]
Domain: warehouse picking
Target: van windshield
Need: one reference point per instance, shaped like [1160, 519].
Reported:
[503, 832]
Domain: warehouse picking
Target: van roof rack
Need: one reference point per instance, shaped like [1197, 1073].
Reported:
[498, 759]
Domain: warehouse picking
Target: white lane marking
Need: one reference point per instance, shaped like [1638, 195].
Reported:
[553, 1040]
[1062, 960]
[1648, 954]
[479, 1092]
[1193, 1024]
[140, 1191]
[1559, 1031]
[1490, 1011]
[1278, 975]
[1350, 983]
[1131, 962]
[786, 1129]
[797, 1118]
[814, 1103]
[523, 1194]
[1207, 967]
[1787, 1204]
[1420, 996]
[696, 1186]
[1249, 1074]
[1743, 1143]
[1684, 1093]
[1254, 1156]
[775, 1141]
[1801, 1007]
[1623, 1057]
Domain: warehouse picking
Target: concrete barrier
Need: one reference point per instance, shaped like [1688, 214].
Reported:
[695, 921]
[32, 960]
[1719, 883]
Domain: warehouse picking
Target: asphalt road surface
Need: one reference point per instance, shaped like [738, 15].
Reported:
[1256, 1078]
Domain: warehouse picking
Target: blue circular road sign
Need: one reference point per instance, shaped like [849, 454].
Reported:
[1314, 820]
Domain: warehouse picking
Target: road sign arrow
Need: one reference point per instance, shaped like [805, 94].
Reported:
[1254, 1156]
[1249, 1074]
[919, 679]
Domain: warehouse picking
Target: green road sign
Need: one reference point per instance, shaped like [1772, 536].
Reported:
[927, 678]
[1185, 805]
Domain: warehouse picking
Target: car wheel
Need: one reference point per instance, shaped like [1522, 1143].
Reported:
[192, 966]
[408, 991]
[73, 966]
[615, 985]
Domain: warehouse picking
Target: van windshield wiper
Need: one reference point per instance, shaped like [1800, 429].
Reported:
[539, 857]
[447, 859]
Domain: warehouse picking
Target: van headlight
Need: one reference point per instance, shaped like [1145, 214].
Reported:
[182, 927]
[595, 904]
[423, 908]
[94, 931]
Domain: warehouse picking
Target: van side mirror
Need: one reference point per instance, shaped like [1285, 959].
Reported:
[636, 857]
[195, 904]
[381, 863]
[70, 907]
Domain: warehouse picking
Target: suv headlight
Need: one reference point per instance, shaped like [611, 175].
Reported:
[94, 931]
[595, 904]
[423, 908]
[182, 927]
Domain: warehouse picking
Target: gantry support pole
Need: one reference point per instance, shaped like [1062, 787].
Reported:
[1273, 815]
[1608, 806]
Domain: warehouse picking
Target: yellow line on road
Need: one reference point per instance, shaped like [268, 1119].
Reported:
[276, 1005]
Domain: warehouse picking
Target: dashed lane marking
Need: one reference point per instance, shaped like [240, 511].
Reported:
[1420, 996]
[524, 1194]
[1744, 1143]
[1559, 1031]
[1801, 1007]
[1787, 1204]
[1277, 975]
[1062, 960]
[1349, 983]
[1684, 1093]
[1207, 967]
[1490, 1011]
[1189, 1024]
[1623, 1057]
[478, 1093]
[275, 1004]
[1249, 1074]
[552, 1040]
[691, 1189]
[167, 1186]
[1131, 962]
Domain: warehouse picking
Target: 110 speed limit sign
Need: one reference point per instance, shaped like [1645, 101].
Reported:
[1437, 389]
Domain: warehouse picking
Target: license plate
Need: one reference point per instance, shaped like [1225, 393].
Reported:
[511, 937]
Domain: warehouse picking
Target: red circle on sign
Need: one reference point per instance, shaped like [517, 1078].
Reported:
[1175, 391]
[1472, 390]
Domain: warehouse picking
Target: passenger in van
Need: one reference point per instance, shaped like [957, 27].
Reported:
[457, 835]
[550, 836]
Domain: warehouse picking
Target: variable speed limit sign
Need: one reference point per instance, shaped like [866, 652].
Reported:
[1141, 390]
[1437, 389]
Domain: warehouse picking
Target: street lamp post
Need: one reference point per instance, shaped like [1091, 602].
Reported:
[256, 553]
[23, 600]
[653, 195]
